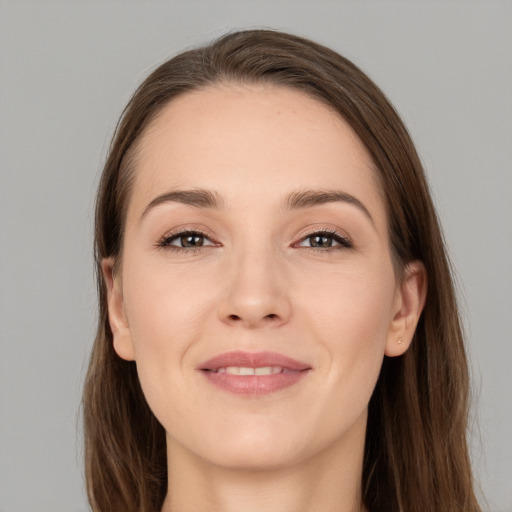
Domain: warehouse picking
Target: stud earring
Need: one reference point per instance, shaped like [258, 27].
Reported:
[400, 341]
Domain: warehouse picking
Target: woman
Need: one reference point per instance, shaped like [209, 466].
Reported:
[264, 240]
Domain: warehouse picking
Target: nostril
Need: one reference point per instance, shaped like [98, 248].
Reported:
[237, 318]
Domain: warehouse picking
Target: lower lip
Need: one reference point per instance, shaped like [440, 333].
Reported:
[254, 385]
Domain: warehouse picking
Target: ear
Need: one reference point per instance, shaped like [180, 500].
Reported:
[409, 303]
[123, 344]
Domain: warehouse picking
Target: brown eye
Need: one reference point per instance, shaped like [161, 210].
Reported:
[325, 240]
[321, 241]
[191, 240]
[185, 240]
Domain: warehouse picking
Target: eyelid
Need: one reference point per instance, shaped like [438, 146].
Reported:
[343, 239]
[164, 241]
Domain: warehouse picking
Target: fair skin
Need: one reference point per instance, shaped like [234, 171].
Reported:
[273, 266]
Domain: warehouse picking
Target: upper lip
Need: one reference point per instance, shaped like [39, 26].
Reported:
[253, 360]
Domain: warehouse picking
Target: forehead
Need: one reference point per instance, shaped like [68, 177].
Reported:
[252, 143]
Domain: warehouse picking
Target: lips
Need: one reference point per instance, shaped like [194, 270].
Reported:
[254, 374]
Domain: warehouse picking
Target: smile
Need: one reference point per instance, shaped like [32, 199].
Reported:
[245, 370]
[253, 373]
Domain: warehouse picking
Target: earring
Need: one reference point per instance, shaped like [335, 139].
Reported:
[400, 341]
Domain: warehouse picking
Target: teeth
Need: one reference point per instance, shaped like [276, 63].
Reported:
[244, 370]
[267, 370]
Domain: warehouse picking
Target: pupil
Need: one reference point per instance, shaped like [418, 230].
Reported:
[321, 241]
[192, 241]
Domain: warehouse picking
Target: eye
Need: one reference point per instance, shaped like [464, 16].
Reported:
[185, 240]
[325, 240]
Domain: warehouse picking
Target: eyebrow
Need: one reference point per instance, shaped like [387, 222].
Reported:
[201, 198]
[310, 198]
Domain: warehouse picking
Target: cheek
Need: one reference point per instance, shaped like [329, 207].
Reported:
[354, 304]
[350, 313]
[162, 305]
[165, 312]
[166, 316]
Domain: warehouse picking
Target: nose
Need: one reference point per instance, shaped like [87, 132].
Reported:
[256, 292]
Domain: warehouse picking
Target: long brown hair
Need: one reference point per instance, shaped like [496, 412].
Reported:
[416, 454]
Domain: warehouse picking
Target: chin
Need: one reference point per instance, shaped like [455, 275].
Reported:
[254, 459]
[257, 449]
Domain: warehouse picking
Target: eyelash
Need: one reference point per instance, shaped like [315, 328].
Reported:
[343, 241]
[165, 241]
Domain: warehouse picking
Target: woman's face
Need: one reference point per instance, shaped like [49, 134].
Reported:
[256, 237]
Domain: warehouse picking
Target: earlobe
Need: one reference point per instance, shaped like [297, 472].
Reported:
[122, 339]
[410, 301]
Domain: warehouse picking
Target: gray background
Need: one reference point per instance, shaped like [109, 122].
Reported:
[66, 71]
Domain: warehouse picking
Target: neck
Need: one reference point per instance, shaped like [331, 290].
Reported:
[329, 481]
